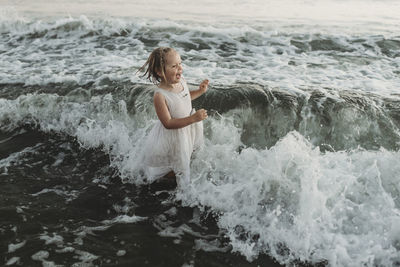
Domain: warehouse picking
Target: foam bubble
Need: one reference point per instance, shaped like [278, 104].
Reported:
[13, 247]
[121, 253]
[41, 256]
[124, 219]
[85, 258]
[53, 239]
[13, 260]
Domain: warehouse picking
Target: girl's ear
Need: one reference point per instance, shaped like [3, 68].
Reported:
[160, 74]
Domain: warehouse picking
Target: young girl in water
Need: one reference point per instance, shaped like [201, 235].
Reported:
[179, 130]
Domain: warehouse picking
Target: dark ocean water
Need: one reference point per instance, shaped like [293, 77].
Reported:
[56, 211]
[300, 164]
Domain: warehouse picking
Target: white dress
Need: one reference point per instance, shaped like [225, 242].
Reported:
[168, 150]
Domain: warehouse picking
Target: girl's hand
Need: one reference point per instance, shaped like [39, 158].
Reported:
[200, 115]
[203, 86]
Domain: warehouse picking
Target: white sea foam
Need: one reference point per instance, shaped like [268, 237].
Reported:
[16, 158]
[214, 245]
[12, 261]
[68, 195]
[41, 256]
[86, 258]
[121, 253]
[124, 219]
[337, 206]
[13, 247]
[291, 200]
[83, 49]
[52, 239]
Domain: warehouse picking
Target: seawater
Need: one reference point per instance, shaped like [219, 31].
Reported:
[300, 163]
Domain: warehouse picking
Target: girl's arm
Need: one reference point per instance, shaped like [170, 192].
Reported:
[202, 89]
[165, 117]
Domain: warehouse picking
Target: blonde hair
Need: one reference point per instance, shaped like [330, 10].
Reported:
[155, 63]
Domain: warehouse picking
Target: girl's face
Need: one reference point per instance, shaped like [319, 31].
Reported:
[173, 67]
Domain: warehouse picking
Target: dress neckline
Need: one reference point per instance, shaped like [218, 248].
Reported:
[178, 93]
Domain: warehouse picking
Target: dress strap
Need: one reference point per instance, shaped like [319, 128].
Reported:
[161, 91]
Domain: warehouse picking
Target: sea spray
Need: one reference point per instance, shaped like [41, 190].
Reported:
[294, 202]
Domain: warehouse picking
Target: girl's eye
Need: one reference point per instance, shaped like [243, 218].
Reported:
[175, 66]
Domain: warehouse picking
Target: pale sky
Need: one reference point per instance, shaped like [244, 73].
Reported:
[322, 10]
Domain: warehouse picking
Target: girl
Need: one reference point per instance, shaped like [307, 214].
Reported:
[179, 130]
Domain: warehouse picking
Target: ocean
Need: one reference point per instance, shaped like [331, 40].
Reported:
[300, 165]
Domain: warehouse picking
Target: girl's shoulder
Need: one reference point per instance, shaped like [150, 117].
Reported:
[157, 89]
[161, 93]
